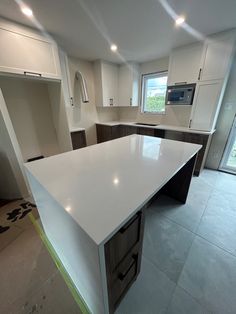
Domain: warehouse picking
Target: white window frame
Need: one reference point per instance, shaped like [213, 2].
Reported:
[144, 91]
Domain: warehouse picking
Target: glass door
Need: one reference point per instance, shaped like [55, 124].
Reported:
[228, 162]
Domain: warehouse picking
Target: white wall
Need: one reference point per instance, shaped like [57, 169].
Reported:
[8, 184]
[224, 123]
[173, 116]
[30, 112]
[87, 114]
[12, 181]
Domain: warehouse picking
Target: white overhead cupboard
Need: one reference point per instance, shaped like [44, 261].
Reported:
[32, 100]
[116, 85]
[26, 52]
[106, 84]
[184, 64]
[128, 84]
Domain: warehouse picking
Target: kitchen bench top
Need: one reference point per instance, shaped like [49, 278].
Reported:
[102, 186]
[158, 126]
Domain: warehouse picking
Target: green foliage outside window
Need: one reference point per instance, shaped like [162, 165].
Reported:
[155, 104]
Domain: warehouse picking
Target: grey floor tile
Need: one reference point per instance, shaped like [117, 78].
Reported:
[25, 265]
[166, 244]
[151, 293]
[226, 183]
[187, 215]
[209, 176]
[218, 224]
[183, 303]
[209, 275]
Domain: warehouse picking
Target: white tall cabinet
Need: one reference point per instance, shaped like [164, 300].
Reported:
[214, 71]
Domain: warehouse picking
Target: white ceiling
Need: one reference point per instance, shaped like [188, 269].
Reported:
[142, 29]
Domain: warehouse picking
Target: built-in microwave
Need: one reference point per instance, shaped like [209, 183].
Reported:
[180, 95]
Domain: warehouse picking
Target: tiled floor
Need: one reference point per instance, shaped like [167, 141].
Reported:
[189, 252]
[29, 280]
[188, 266]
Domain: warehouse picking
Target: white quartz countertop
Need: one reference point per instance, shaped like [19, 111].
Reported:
[102, 186]
[158, 126]
[76, 129]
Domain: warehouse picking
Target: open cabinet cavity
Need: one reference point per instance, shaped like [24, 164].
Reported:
[34, 111]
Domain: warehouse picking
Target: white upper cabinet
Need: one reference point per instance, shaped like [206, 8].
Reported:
[184, 64]
[206, 105]
[128, 85]
[106, 84]
[25, 52]
[217, 56]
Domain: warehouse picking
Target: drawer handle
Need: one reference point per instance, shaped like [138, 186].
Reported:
[180, 83]
[122, 276]
[123, 229]
[32, 73]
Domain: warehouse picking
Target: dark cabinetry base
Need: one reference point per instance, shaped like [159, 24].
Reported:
[123, 254]
[107, 133]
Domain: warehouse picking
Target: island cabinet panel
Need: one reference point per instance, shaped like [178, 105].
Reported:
[78, 139]
[123, 259]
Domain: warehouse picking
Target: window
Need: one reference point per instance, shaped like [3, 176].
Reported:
[154, 92]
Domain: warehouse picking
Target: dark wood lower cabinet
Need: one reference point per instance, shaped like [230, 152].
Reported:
[123, 254]
[107, 133]
[78, 139]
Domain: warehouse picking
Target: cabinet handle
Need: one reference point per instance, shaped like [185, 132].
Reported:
[190, 123]
[199, 74]
[181, 83]
[72, 101]
[131, 101]
[111, 101]
[122, 276]
[32, 73]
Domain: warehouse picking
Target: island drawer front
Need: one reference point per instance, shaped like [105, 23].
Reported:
[122, 278]
[123, 241]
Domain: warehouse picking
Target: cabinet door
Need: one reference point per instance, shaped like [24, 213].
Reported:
[206, 105]
[184, 65]
[110, 84]
[217, 58]
[23, 54]
[128, 85]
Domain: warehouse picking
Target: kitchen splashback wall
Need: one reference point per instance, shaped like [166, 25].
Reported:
[173, 116]
[87, 114]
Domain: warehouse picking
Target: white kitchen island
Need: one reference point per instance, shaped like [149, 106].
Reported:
[89, 196]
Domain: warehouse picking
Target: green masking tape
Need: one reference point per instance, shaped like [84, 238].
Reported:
[76, 295]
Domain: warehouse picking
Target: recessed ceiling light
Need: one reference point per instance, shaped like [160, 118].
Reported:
[114, 48]
[180, 20]
[27, 11]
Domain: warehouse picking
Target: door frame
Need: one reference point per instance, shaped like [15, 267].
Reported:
[231, 139]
